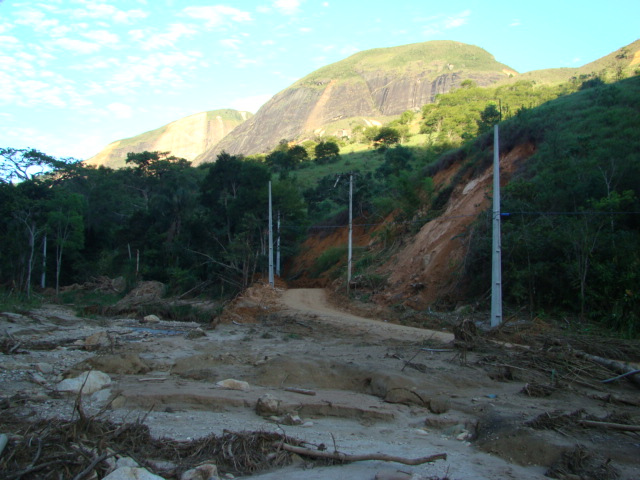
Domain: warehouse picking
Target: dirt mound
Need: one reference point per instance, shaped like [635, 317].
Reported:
[257, 300]
[125, 363]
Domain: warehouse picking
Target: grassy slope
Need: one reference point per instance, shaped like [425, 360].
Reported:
[407, 58]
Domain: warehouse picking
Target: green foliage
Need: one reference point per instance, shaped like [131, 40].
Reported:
[396, 159]
[489, 117]
[327, 151]
[463, 113]
[329, 259]
[14, 301]
[583, 260]
[386, 137]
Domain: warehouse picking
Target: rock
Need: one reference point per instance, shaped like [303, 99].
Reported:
[132, 473]
[4, 439]
[37, 378]
[268, 405]
[126, 462]
[151, 319]
[207, 471]
[233, 384]
[439, 405]
[97, 340]
[291, 419]
[101, 397]
[119, 284]
[195, 333]
[92, 381]
[122, 364]
[45, 368]
[404, 396]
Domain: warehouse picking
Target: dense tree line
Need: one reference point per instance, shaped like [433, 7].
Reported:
[159, 218]
[571, 241]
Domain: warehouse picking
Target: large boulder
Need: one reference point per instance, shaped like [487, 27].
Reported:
[86, 382]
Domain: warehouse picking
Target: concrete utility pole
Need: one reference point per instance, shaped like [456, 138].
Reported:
[349, 255]
[271, 279]
[278, 247]
[496, 258]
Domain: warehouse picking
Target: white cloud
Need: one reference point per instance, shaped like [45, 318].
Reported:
[217, 15]
[457, 20]
[287, 7]
[305, 29]
[438, 23]
[233, 43]
[267, 42]
[251, 104]
[102, 11]
[102, 37]
[120, 110]
[515, 23]
[76, 46]
[150, 40]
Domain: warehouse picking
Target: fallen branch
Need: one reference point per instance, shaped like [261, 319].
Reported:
[615, 399]
[343, 457]
[621, 368]
[610, 426]
[92, 465]
[628, 374]
[302, 391]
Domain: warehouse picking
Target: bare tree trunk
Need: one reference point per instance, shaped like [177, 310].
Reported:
[32, 243]
[43, 276]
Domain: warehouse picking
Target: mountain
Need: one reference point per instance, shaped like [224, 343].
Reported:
[365, 87]
[186, 138]
[619, 64]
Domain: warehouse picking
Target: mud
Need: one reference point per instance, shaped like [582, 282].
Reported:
[376, 387]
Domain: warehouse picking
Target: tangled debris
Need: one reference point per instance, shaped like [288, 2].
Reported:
[77, 448]
[580, 463]
[85, 447]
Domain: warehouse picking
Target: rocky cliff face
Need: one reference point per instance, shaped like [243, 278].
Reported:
[184, 138]
[370, 84]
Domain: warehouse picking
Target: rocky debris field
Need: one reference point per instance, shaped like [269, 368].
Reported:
[290, 386]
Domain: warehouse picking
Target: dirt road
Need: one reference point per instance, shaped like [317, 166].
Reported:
[314, 302]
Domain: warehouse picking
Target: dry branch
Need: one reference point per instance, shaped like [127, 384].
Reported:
[621, 368]
[610, 426]
[302, 391]
[628, 374]
[343, 457]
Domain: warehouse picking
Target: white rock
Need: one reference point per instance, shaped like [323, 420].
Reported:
[45, 368]
[97, 340]
[151, 319]
[268, 405]
[232, 384]
[208, 471]
[126, 462]
[101, 397]
[132, 473]
[93, 381]
[37, 378]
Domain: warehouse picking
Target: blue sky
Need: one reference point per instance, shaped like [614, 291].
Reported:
[76, 75]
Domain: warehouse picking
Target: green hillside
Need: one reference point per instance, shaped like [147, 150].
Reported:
[436, 56]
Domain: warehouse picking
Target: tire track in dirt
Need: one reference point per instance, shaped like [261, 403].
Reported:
[314, 303]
